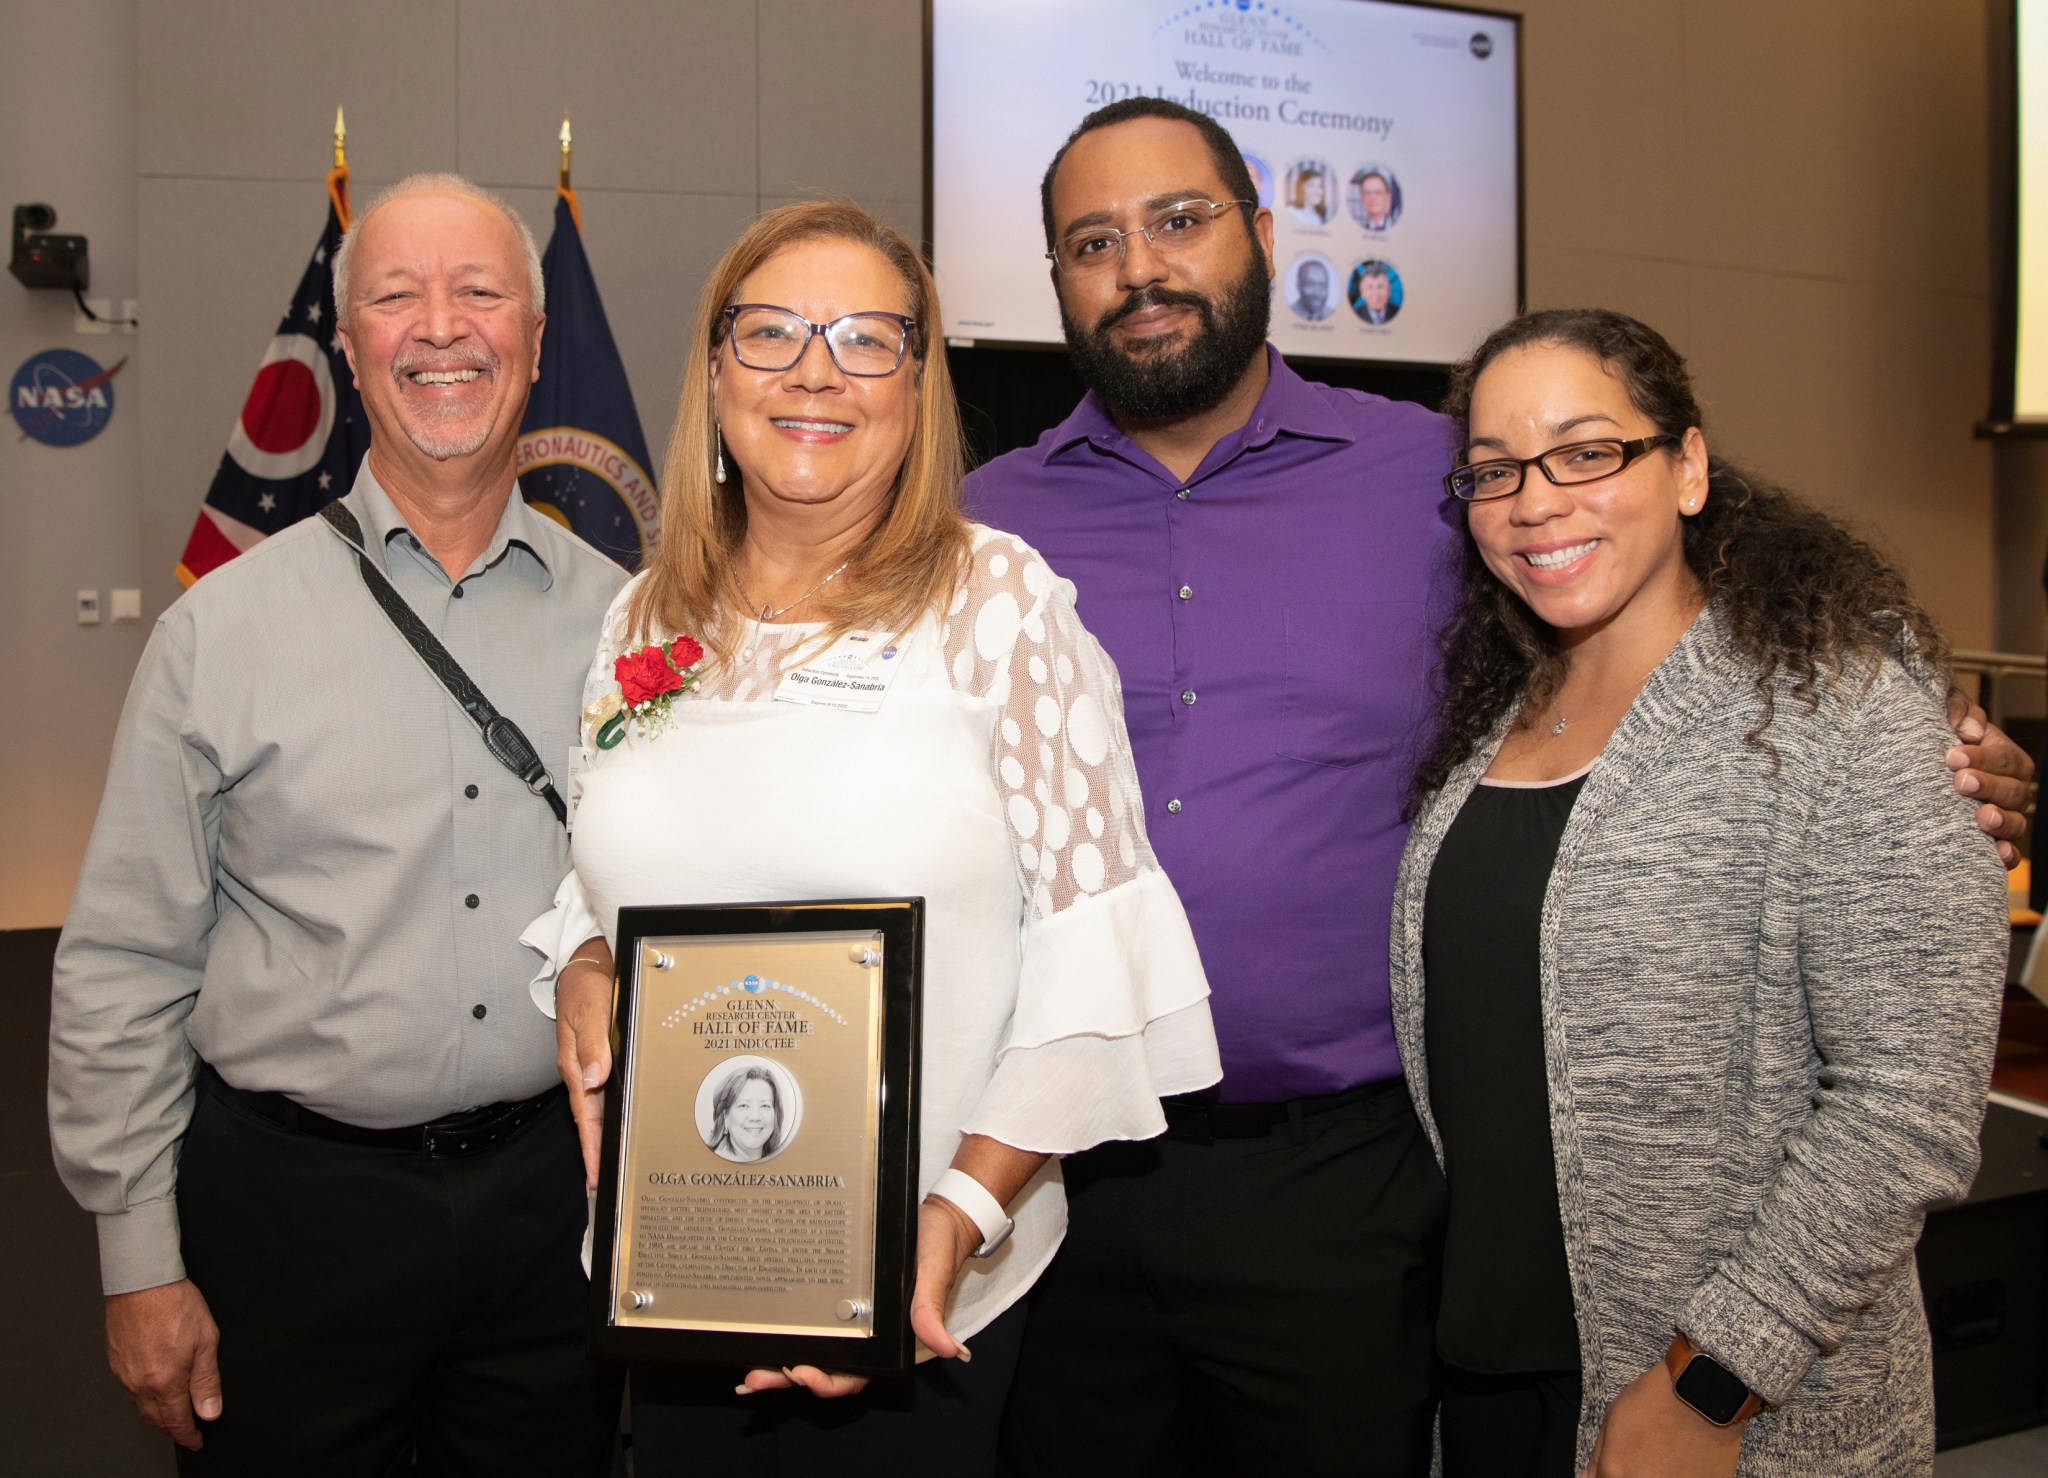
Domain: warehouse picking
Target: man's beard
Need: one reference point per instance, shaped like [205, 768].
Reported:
[432, 439]
[1163, 381]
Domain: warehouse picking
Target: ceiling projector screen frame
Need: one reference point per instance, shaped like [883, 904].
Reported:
[1453, 250]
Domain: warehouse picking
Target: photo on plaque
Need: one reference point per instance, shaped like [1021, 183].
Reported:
[756, 1192]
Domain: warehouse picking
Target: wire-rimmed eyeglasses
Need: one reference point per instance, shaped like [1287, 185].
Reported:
[1169, 229]
[1566, 466]
[867, 345]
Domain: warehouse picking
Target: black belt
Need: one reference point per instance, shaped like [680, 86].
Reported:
[1204, 1120]
[468, 1133]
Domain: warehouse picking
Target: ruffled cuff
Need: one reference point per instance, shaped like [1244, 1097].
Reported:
[1728, 1322]
[1112, 1014]
[1064, 1096]
[558, 934]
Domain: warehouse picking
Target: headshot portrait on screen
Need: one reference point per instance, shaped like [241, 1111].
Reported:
[752, 1114]
[1262, 179]
[1374, 198]
[1311, 193]
[1375, 291]
[1309, 281]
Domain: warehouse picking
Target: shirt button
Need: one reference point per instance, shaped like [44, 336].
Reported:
[1188, 696]
[1173, 807]
[470, 791]
[479, 1012]
[1187, 592]
[457, 592]
[1182, 495]
[471, 901]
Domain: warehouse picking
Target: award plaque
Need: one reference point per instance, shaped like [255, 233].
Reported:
[757, 1193]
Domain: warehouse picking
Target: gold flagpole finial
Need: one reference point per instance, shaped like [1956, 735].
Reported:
[562, 180]
[340, 141]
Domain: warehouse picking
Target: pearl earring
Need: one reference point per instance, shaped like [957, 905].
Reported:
[718, 471]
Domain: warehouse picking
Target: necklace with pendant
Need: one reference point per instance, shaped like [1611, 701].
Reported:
[1558, 727]
[768, 615]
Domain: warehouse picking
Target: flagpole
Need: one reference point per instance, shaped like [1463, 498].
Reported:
[337, 177]
[562, 187]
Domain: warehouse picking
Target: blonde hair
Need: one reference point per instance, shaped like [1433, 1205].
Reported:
[913, 559]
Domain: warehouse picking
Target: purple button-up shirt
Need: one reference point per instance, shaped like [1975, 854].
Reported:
[1273, 619]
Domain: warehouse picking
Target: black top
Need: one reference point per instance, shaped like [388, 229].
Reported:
[1507, 1305]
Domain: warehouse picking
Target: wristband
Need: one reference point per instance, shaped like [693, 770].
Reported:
[972, 1199]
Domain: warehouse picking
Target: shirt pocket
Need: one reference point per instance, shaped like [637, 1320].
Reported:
[1339, 705]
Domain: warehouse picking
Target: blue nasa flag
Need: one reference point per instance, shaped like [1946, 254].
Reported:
[582, 458]
[301, 432]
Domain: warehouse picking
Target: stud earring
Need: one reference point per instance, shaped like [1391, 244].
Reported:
[718, 470]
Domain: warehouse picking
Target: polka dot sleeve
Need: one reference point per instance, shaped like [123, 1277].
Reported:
[1112, 1005]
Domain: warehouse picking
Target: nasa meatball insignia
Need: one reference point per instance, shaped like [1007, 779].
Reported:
[61, 397]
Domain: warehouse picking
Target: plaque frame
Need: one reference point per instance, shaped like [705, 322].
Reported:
[891, 1347]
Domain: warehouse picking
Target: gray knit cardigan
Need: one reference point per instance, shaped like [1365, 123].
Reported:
[1770, 1000]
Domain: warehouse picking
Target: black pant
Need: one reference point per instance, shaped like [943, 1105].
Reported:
[377, 1306]
[939, 1422]
[1248, 1306]
[1510, 1426]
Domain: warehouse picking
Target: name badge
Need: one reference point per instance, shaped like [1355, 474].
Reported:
[853, 673]
[572, 785]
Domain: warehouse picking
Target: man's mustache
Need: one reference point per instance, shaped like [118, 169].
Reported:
[1153, 297]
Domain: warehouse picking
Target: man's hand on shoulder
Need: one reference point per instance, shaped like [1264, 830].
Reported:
[1995, 772]
[161, 1343]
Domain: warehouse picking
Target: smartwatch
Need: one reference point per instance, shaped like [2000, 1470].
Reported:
[1708, 1386]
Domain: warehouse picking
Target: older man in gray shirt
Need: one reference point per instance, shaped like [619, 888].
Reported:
[293, 1067]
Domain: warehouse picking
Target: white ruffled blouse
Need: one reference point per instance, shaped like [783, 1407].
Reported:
[1063, 993]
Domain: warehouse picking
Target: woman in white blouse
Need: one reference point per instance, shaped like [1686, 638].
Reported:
[810, 492]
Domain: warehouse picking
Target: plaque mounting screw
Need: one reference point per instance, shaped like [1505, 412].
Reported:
[850, 1309]
[640, 1298]
[865, 954]
[662, 961]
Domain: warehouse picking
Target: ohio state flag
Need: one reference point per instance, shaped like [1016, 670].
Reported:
[582, 458]
[302, 432]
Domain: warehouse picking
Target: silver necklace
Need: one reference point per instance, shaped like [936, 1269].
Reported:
[768, 615]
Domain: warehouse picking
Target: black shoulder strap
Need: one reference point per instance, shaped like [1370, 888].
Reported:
[508, 746]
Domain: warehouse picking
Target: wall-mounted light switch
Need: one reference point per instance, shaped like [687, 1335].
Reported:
[88, 608]
[127, 604]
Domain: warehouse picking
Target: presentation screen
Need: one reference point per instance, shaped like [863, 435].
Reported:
[2030, 365]
[1383, 137]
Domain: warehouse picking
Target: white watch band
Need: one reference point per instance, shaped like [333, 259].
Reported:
[981, 1208]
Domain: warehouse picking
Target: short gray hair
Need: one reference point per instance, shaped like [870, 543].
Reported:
[453, 184]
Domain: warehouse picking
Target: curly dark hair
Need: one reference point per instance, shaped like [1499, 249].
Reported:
[1801, 594]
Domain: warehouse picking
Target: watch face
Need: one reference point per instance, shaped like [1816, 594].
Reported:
[1713, 1391]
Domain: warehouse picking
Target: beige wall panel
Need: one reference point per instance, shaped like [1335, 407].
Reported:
[1916, 167]
[1866, 410]
[1655, 291]
[1604, 124]
[903, 215]
[247, 88]
[660, 95]
[650, 254]
[1766, 95]
[848, 116]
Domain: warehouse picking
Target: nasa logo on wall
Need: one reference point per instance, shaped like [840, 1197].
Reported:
[62, 397]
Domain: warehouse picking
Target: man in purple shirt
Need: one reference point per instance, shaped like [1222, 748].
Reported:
[1266, 559]
[1257, 1290]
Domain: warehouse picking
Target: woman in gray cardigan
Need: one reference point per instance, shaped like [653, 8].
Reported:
[1697, 953]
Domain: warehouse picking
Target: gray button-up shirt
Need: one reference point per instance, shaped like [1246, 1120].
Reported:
[291, 876]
